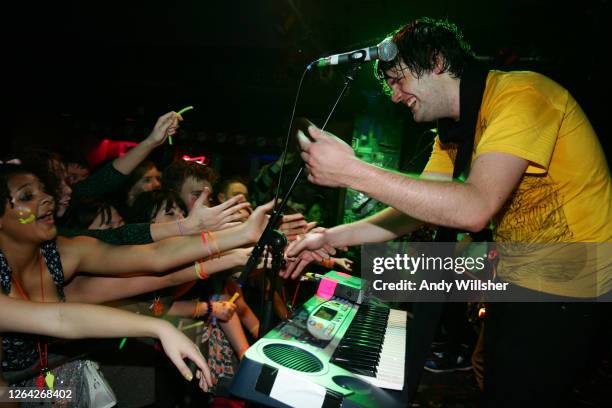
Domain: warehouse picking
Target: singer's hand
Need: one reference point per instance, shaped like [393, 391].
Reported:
[329, 161]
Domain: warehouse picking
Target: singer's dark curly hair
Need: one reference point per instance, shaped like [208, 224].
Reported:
[420, 45]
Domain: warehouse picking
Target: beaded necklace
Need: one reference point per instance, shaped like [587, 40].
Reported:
[45, 376]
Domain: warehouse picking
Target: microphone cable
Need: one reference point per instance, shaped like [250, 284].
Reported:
[288, 136]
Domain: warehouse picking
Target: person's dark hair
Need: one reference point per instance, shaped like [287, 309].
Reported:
[420, 45]
[224, 184]
[76, 158]
[174, 176]
[47, 166]
[138, 173]
[8, 170]
[83, 213]
[148, 203]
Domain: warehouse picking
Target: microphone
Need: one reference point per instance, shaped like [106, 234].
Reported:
[385, 51]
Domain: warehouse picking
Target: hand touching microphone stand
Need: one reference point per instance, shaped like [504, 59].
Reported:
[273, 239]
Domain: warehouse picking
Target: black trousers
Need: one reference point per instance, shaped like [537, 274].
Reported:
[535, 352]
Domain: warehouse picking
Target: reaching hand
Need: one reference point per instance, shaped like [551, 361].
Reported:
[177, 347]
[344, 263]
[255, 225]
[328, 159]
[293, 225]
[225, 215]
[312, 247]
[165, 126]
[223, 310]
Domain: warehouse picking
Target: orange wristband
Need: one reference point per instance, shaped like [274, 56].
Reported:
[203, 274]
[196, 309]
[200, 271]
[328, 263]
[213, 240]
[205, 242]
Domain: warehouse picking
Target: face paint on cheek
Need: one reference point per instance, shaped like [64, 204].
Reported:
[25, 215]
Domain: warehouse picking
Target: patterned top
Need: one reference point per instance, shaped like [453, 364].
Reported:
[20, 349]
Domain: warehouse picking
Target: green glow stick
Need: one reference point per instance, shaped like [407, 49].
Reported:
[191, 326]
[123, 340]
[185, 109]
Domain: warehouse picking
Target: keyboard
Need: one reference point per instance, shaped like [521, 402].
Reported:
[331, 352]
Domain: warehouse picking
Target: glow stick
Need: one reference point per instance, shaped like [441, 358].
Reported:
[234, 297]
[191, 326]
[185, 109]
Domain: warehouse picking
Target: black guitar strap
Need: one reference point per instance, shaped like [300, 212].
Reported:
[461, 133]
[422, 328]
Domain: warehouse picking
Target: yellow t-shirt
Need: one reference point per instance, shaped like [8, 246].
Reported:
[565, 196]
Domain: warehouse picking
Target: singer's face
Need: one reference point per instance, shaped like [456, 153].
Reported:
[421, 95]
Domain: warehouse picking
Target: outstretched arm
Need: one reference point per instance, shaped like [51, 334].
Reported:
[226, 215]
[165, 126]
[469, 206]
[89, 255]
[202, 218]
[101, 289]
[73, 320]
[380, 227]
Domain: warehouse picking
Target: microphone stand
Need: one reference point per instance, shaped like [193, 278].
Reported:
[276, 240]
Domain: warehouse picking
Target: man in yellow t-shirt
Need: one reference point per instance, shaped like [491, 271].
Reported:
[532, 165]
[562, 199]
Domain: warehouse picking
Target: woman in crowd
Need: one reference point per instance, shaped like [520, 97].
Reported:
[35, 262]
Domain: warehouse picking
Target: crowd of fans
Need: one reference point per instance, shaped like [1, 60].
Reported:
[167, 243]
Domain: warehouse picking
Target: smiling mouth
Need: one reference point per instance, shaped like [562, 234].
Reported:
[46, 218]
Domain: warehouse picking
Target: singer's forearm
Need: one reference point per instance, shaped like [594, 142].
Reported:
[467, 206]
[384, 226]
